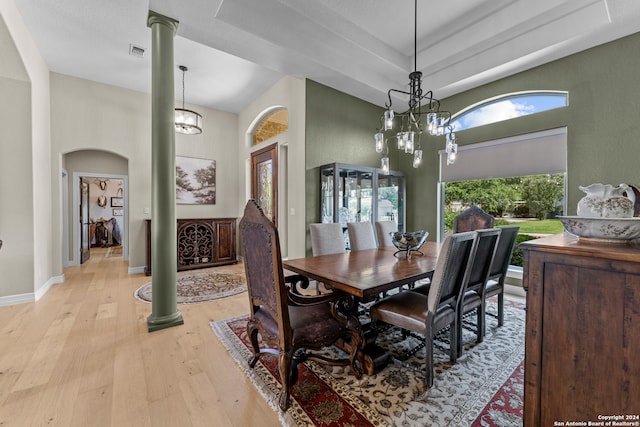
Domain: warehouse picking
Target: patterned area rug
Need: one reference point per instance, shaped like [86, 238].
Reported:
[484, 388]
[202, 285]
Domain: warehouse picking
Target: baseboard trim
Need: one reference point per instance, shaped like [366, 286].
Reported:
[31, 296]
[135, 270]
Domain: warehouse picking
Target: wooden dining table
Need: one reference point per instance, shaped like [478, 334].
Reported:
[364, 275]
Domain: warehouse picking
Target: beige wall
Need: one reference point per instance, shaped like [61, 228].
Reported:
[25, 260]
[289, 93]
[119, 120]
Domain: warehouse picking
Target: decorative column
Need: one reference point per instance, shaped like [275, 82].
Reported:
[164, 308]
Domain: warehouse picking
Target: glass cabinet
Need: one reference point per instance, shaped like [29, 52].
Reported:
[350, 193]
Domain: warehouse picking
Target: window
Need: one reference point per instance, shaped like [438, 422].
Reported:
[272, 125]
[505, 107]
[515, 177]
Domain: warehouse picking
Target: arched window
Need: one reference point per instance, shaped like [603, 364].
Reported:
[272, 125]
[505, 107]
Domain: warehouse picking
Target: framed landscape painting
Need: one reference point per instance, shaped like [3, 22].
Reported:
[195, 181]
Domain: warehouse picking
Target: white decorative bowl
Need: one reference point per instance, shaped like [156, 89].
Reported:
[612, 230]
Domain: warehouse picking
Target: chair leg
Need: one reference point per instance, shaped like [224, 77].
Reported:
[428, 375]
[284, 366]
[458, 329]
[252, 332]
[501, 308]
[481, 322]
[455, 337]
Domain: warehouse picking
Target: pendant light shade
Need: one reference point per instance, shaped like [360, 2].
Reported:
[188, 122]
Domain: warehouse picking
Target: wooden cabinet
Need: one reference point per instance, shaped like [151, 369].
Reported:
[201, 243]
[582, 355]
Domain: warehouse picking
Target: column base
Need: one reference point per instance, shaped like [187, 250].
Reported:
[156, 323]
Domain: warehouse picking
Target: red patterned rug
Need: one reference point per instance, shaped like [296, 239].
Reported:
[484, 388]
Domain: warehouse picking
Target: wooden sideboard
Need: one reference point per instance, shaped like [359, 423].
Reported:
[201, 243]
[582, 352]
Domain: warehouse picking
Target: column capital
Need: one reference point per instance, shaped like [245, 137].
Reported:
[156, 18]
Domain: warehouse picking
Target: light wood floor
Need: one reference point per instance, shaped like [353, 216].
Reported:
[82, 356]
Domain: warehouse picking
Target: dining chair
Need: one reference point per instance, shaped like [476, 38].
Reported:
[474, 294]
[288, 322]
[472, 218]
[361, 236]
[500, 266]
[326, 238]
[430, 313]
[383, 230]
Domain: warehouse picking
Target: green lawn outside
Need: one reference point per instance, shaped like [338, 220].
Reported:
[545, 226]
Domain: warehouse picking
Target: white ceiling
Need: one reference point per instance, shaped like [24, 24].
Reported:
[236, 49]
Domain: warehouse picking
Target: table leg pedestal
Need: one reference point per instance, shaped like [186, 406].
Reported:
[372, 357]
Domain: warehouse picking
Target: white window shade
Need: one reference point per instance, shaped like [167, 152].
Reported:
[530, 154]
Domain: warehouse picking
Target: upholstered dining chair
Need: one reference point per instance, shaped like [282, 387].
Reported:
[383, 230]
[474, 294]
[473, 218]
[428, 314]
[326, 238]
[500, 266]
[361, 236]
[287, 322]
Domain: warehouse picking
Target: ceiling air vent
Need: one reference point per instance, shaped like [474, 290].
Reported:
[136, 51]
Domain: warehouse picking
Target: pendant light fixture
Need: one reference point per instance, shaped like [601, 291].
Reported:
[423, 116]
[188, 122]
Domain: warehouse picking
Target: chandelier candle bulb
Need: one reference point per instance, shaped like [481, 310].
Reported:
[379, 137]
[385, 165]
[402, 137]
[388, 119]
[417, 158]
[408, 146]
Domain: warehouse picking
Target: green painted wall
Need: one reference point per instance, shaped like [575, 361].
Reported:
[602, 120]
[339, 128]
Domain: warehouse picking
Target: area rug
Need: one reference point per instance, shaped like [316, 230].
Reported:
[484, 388]
[113, 251]
[202, 285]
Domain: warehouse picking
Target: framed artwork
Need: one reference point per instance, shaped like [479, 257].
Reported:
[118, 212]
[195, 181]
[117, 202]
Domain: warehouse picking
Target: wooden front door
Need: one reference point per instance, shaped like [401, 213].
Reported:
[85, 238]
[264, 180]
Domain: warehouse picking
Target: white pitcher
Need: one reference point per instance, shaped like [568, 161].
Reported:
[607, 201]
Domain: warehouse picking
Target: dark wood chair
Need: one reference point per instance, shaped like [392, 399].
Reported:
[426, 314]
[287, 322]
[473, 218]
[474, 295]
[500, 266]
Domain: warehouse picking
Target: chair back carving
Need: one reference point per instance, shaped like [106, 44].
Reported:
[326, 238]
[263, 268]
[383, 228]
[471, 219]
[361, 236]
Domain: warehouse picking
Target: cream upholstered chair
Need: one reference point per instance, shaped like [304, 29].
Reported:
[427, 314]
[326, 238]
[383, 228]
[361, 236]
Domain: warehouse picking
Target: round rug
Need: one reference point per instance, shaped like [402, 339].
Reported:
[203, 286]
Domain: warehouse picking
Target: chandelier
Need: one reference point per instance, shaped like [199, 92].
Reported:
[187, 121]
[423, 116]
